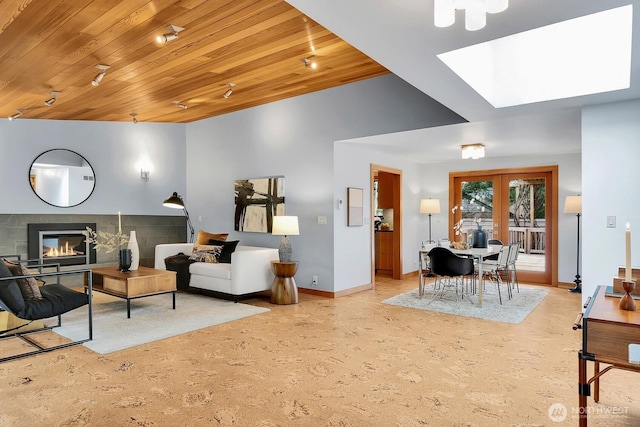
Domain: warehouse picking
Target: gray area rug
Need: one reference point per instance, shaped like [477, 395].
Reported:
[152, 319]
[513, 310]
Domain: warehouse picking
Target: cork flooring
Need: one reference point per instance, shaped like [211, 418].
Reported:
[350, 361]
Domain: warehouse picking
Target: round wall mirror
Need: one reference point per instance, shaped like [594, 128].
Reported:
[62, 178]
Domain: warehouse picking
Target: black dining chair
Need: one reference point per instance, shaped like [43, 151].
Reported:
[450, 271]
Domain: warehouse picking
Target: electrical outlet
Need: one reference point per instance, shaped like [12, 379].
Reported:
[314, 280]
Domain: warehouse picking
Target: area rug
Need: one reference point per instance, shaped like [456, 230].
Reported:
[152, 319]
[513, 310]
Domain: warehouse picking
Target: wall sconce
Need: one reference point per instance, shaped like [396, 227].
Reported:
[472, 151]
[98, 78]
[144, 174]
[229, 91]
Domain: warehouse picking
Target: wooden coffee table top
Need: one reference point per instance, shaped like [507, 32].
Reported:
[112, 271]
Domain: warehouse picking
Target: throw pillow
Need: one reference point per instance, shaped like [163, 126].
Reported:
[204, 237]
[206, 253]
[28, 286]
[228, 247]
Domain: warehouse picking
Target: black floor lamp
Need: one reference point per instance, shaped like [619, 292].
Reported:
[175, 201]
[430, 206]
[573, 205]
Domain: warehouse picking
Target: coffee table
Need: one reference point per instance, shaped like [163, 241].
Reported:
[143, 282]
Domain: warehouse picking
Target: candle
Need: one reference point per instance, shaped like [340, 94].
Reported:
[119, 223]
[627, 270]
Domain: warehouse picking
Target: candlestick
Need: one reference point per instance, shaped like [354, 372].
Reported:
[119, 224]
[627, 270]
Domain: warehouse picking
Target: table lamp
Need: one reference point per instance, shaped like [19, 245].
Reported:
[573, 205]
[430, 206]
[174, 201]
[285, 226]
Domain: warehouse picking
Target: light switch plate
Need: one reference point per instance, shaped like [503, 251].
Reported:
[611, 222]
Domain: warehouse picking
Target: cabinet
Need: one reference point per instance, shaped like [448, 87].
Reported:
[385, 190]
[384, 251]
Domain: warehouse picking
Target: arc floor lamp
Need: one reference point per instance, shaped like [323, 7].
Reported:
[174, 201]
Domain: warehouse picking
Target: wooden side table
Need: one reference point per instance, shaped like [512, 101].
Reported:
[284, 289]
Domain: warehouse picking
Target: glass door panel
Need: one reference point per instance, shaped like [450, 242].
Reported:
[476, 208]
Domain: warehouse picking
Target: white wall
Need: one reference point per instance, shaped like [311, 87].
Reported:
[113, 149]
[294, 138]
[610, 159]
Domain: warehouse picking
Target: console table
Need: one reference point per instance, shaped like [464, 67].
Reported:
[607, 332]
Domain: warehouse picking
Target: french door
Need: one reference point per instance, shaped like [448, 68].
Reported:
[511, 205]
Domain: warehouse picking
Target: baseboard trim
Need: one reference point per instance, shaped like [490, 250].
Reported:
[339, 294]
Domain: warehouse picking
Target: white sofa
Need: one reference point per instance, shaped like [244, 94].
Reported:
[249, 271]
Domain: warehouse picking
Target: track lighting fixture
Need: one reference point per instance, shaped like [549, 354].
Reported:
[98, 78]
[180, 105]
[170, 36]
[229, 91]
[17, 115]
[54, 95]
[309, 63]
[134, 118]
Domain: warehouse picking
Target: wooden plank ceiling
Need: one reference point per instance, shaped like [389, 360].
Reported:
[54, 45]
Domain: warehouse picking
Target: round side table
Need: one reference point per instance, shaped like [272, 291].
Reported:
[284, 289]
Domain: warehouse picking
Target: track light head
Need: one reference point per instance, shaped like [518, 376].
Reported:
[54, 95]
[180, 104]
[170, 36]
[309, 63]
[134, 118]
[229, 91]
[98, 78]
[17, 115]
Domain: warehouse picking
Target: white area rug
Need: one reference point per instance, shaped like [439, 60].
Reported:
[152, 319]
[513, 310]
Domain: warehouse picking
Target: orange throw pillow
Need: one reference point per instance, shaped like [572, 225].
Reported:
[204, 237]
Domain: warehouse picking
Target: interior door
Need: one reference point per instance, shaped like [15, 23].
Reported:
[511, 206]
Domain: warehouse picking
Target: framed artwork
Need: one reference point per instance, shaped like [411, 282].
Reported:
[257, 201]
[354, 206]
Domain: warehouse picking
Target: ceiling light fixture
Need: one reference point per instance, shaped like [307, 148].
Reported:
[17, 115]
[475, 12]
[309, 63]
[472, 151]
[98, 78]
[134, 118]
[180, 104]
[229, 91]
[54, 96]
[171, 36]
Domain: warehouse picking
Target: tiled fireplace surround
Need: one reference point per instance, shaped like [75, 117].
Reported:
[150, 231]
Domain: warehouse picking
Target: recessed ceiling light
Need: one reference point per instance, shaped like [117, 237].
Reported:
[581, 56]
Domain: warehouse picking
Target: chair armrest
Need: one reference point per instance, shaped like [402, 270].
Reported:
[167, 249]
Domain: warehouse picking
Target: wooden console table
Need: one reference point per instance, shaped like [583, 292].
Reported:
[284, 289]
[607, 332]
[139, 283]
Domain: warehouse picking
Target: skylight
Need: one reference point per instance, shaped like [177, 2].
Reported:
[581, 56]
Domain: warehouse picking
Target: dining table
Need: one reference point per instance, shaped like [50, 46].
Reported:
[479, 254]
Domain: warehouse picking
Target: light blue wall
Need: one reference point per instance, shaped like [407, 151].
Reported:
[113, 149]
[295, 138]
[610, 161]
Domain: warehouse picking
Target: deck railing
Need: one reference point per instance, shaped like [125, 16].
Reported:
[531, 239]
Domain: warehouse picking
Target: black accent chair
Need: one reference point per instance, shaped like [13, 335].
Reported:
[449, 267]
[56, 300]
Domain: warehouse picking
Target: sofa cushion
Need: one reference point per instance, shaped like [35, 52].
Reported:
[204, 237]
[28, 286]
[228, 247]
[220, 271]
[206, 253]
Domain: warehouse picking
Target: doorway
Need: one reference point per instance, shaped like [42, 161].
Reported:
[511, 205]
[386, 244]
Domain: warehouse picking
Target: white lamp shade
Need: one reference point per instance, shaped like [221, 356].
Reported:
[285, 226]
[430, 206]
[573, 204]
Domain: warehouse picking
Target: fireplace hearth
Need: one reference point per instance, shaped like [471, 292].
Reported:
[60, 243]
